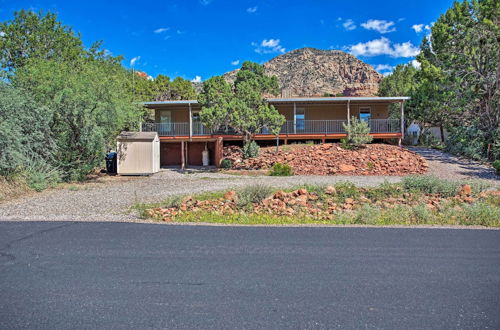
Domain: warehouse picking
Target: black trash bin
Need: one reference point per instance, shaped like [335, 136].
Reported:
[111, 159]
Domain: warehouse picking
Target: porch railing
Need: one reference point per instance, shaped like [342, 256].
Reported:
[289, 127]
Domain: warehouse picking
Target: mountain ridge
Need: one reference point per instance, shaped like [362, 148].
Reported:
[316, 72]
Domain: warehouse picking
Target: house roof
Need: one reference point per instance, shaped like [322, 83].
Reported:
[342, 99]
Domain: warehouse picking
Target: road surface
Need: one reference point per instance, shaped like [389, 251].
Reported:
[62, 275]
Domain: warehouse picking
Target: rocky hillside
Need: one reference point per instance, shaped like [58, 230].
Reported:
[315, 72]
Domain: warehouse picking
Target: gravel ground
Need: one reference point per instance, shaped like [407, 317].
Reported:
[447, 166]
[111, 201]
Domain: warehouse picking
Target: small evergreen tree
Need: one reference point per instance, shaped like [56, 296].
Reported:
[358, 132]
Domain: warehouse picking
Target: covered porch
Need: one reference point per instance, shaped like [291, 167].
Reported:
[309, 118]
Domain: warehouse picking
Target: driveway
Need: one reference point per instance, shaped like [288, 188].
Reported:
[111, 201]
[141, 276]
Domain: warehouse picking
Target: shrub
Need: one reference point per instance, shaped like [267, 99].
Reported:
[346, 190]
[496, 165]
[226, 163]
[253, 194]
[466, 141]
[358, 132]
[429, 184]
[40, 175]
[279, 169]
[344, 144]
[250, 149]
[174, 201]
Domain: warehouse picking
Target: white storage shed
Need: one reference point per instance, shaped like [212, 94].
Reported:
[138, 153]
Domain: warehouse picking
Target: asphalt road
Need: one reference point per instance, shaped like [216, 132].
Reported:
[125, 275]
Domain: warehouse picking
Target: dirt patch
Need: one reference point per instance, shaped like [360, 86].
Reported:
[331, 159]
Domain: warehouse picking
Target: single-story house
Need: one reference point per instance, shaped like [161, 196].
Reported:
[183, 137]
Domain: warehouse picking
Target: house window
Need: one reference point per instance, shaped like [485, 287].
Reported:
[196, 116]
[365, 114]
[165, 117]
[300, 116]
[165, 121]
[197, 127]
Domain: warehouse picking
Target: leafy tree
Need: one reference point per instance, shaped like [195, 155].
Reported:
[215, 100]
[35, 35]
[465, 48]
[243, 107]
[401, 82]
[250, 112]
[89, 103]
[24, 130]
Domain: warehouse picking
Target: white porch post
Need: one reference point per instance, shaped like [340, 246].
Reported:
[190, 122]
[294, 118]
[402, 120]
[348, 112]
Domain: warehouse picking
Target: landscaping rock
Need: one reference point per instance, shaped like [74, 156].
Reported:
[230, 195]
[331, 159]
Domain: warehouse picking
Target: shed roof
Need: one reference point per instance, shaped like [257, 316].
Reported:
[143, 136]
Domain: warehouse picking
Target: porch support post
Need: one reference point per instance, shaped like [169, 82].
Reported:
[403, 120]
[348, 112]
[294, 118]
[183, 165]
[190, 123]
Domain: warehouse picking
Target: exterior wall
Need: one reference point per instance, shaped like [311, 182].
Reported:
[170, 154]
[180, 113]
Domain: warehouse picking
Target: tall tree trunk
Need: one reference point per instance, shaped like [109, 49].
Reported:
[441, 131]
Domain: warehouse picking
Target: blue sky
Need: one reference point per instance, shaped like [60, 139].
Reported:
[197, 39]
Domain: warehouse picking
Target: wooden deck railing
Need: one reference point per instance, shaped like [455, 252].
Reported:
[289, 127]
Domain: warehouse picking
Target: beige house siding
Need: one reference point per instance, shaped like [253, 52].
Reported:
[180, 113]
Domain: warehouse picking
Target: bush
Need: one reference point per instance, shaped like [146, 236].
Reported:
[496, 165]
[428, 184]
[226, 163]
[358, 132]
[473, 143]
[250, 149]
[253, 194]
[344, 144]
[39, 175]
[279, 169]
[24, 130]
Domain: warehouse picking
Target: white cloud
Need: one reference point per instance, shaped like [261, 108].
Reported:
[380, 26]
[383, 46]
[205, 2]
[235, 62]
[252, 10]
[134, 60]
[406, 49]
[269, 46]
[180, 32]
[349, 25]
[384, 67]
[417, 27]
[196, 79]
[416, 64]
[161, 30]
[420, 27]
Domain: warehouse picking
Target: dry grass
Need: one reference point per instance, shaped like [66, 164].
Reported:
[13, 188]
